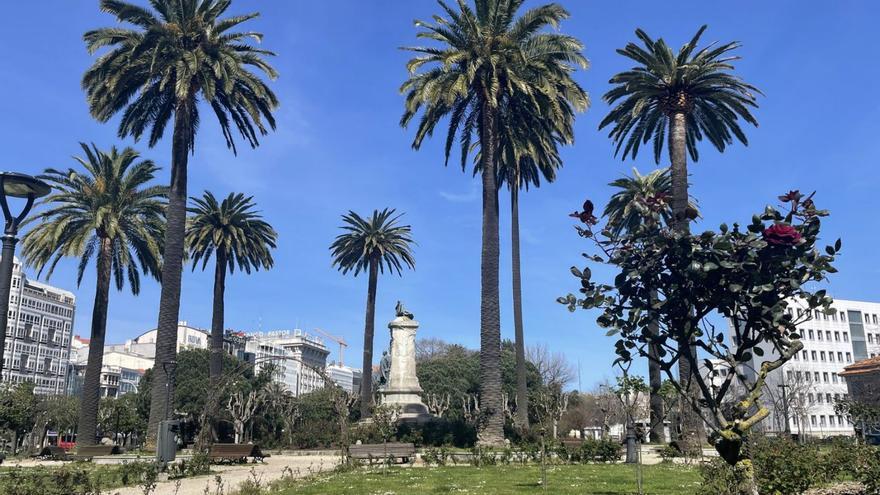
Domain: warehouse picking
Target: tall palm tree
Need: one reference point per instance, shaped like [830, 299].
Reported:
[174, 55]
[693, 95]
[485, 57]
[528, 151]
[372, 244]
[109, 212]
[236, 235]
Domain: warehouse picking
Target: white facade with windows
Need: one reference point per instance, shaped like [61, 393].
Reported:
[121, 370]
[811, 380]
[38, 334]
[300, 357]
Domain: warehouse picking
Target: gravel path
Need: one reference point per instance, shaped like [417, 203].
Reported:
[233, 475]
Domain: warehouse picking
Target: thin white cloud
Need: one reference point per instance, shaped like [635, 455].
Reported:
[467, 197]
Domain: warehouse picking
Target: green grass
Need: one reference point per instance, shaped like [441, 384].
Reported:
[608, 479]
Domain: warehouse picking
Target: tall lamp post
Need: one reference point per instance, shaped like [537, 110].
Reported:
[23, 186]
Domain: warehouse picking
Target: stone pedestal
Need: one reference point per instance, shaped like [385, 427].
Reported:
[402, 388]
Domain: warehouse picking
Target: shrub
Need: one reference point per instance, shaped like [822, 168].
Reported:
[867, 468]
[784, 467]
[435, 456]
[719, 478]
[668, 452]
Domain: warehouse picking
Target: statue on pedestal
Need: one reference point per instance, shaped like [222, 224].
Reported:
[401, 383]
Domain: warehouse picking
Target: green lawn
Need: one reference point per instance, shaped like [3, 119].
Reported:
[608, 479]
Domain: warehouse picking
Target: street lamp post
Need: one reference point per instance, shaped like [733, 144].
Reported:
[23, 186]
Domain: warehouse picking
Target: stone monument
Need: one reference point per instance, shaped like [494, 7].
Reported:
[401, 384]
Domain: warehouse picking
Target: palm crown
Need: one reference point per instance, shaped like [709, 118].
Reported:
[695, 83]
[110, 201]
[378, 238]
[178, 51]
[231, 229]
[639, 197]
[489, 57]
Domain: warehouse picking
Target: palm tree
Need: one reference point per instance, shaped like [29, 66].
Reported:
[372, 244]
[693, 95]
[108, 212]
[527, 151]
[176, 54]
[236, 235]
[486, 58]
[639, 199]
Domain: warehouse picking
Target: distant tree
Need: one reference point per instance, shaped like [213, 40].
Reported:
[120, 416]
[18, 410]
[553, 367]
[108, 211]
[372, 244]
[430, 347]
[237, 236]
[156, 71]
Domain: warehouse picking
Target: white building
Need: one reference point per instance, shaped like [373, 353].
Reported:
[38, 333]
[348, 378]
[188, 337]
[811, 380]
[121, 370]
[300, 357]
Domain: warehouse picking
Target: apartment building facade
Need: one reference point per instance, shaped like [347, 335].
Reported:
[806, 388]
[38, 334]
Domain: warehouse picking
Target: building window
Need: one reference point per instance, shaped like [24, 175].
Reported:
[848, 357]
[830, 356]
[813, 419]
[845, 337]
[810, 398]
[870, 338]
[813, 354]
[837, 336]
[804, 355]
[842, 316]
[831, 420]
[825, 377]
[822, 356]
[789, 375]
[816, 376]
[810, 333]
[828, 335]
[840, 357]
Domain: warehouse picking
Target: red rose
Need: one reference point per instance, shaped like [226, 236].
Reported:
[781, 234]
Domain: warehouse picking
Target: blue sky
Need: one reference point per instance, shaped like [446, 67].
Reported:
[338, 147]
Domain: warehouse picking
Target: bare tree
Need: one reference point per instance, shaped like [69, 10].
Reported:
[242, 407]
[551, 404]
[553, 367]
[438, 404]
[430, 347]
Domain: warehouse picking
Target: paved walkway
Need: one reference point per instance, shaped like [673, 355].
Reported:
[233, 475]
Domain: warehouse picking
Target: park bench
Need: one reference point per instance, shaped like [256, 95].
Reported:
[381, 452]
[87, 452]
[235, 452]
[53, 453]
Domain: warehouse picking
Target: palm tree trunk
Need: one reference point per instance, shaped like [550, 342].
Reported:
[217, 316]
[691, 424]
[655, 381]
[172, 269]
[217, 327]
[492, 431]
[522, 392]
[369, 330]
[91, 391]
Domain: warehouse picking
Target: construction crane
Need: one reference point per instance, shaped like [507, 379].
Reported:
[339, 340]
